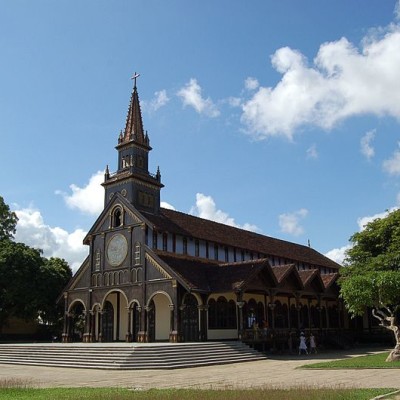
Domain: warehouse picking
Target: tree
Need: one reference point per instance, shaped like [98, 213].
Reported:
[29, 283]
[8, 221]
[54, 275]
[19, 270]
[371, 276]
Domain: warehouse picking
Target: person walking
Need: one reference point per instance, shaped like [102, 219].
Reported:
[313, 344]
[302, 345]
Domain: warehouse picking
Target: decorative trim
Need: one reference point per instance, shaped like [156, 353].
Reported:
[155, 264]
[134, 216]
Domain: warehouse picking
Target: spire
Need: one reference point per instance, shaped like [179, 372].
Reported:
[134, 125]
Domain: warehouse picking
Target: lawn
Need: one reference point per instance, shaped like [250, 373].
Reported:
[368, 361]
[190, 394]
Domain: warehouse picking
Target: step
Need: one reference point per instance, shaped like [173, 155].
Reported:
[136, 356]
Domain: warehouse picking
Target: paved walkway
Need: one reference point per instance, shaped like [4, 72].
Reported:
[273, 372]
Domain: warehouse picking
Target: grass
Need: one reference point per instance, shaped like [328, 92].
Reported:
[369, 361]
[189, 394]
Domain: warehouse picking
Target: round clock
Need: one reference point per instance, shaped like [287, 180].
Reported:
[117, 249]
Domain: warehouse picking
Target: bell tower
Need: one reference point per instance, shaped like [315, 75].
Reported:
[132, 178]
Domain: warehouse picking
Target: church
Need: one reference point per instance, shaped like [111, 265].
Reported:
[155, 274]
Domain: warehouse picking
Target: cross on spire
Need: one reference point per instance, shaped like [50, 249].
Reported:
[134, 77]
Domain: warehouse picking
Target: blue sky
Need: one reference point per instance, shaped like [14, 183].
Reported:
[276, 116]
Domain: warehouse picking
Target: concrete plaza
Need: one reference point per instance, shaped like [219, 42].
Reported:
[279, 371]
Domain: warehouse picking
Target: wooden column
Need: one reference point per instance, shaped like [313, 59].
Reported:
[128, 336]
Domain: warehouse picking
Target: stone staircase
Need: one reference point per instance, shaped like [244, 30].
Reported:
[128, 356]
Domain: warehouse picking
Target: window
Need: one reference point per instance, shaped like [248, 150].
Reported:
[154, 240]
[215, 252]
[165, 242]
[234, 254]
[98, 260]
[222, 314]
[207, 251]
[116, 217]
[138, 255]
[197, 248]
[226, 254]
[184, 245]
[174, 243]
[242, 255]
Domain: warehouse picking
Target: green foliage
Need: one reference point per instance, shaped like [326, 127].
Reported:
[54, 274]
[371, 277]
[377, 247]
[29, 283]
[8, 221]
[371, 289]
[19, 270]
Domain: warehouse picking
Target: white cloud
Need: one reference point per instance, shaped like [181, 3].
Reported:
[342, 82]
[338, 255]
[251, 83]
[55, 242]
[290, 222]
[312, 151]
[88, 199]
[234, 101]
[160, 100]
[365, 143]
[164, 204]
[206, 208]
[191, 96]
[392, 165]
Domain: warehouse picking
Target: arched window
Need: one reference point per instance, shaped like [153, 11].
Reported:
[305, 322]
[250, 313]
[315, 320]
[138, 254]
[98, 260]
[116, 218]
[222, 314]
[293, 317]
[212, 314]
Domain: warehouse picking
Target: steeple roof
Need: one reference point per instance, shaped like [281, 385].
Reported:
[134, 124]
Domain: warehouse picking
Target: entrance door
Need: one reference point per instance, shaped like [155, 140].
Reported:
[108, 322]
[190, 319]
[135, 322]
[152, 322]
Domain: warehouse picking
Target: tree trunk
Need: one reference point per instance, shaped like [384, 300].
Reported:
[394, 355]
[388, 320]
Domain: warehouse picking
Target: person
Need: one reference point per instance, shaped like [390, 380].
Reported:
[313, 344]
[302, 345]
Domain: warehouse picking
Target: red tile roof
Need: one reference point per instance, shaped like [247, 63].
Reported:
[195, 227]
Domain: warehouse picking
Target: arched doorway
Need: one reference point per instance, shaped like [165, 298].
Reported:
[77, 321]
[135, 322]
[190, 319]
[108, 322]
[159, 317]
[114, 321]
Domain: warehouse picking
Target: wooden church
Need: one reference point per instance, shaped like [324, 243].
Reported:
[154, 274]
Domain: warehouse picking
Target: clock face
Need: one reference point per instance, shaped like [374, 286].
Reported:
[117, 249]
